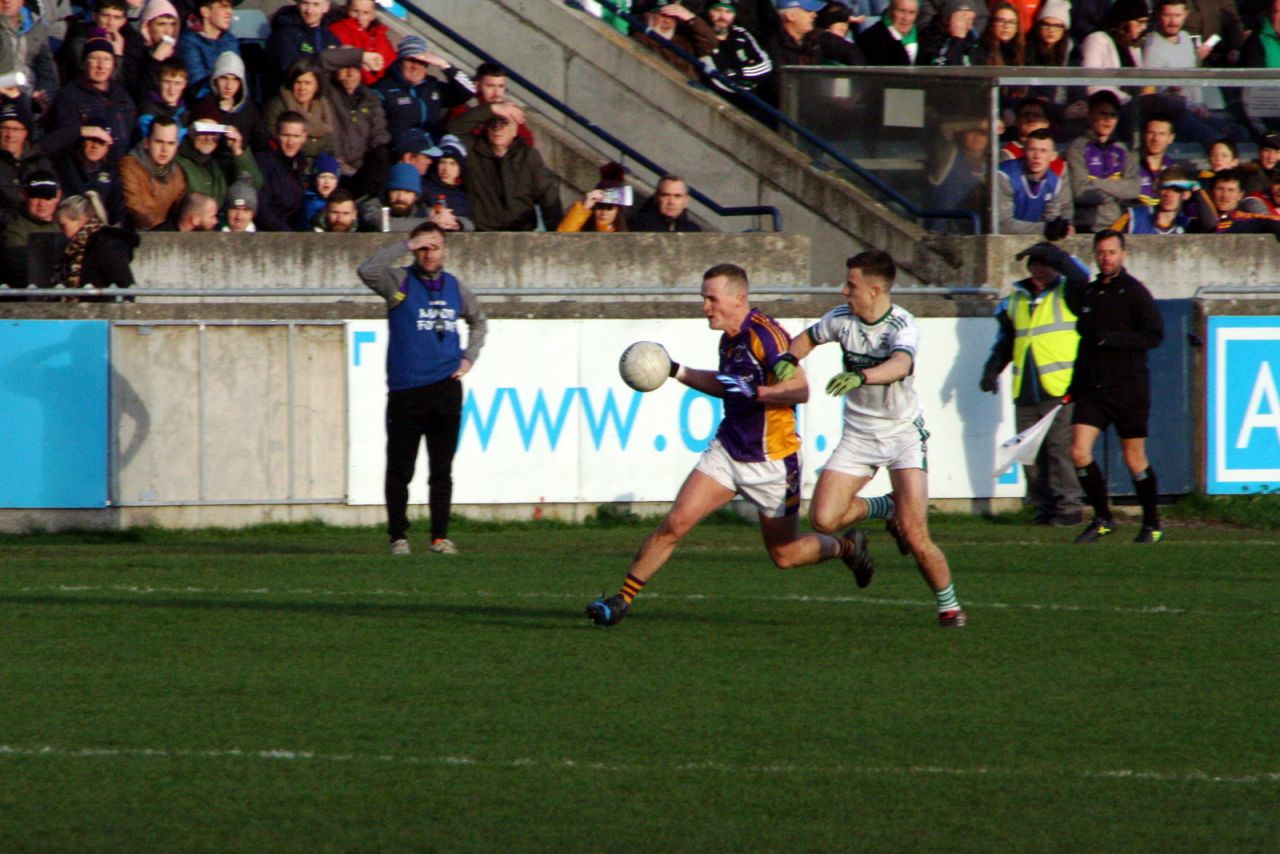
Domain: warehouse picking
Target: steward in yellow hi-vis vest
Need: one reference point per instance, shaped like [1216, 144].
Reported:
[1044, 337]
[1038, 335]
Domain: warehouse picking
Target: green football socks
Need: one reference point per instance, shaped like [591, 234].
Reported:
[946, 598]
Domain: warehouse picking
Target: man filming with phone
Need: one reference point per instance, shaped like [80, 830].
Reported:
[213, 156]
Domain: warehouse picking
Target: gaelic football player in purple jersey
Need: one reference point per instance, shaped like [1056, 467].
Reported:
[755, 453]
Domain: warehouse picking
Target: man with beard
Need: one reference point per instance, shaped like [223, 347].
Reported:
[402, 199]
[738, 55]
[339, 214]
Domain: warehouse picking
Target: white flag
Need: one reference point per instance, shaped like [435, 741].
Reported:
[1023, 447]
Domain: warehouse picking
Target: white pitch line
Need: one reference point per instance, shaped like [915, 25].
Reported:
[568, 763]
[147, 590]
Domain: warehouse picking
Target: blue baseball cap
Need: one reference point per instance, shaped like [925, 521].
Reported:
[416, 141]
[807, 5]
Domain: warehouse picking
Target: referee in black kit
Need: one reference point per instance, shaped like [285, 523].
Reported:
[1118, 323]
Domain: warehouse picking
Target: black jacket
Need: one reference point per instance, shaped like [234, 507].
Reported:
[1118, 322]
[647, 218]
[937, 47]
[880, 48]
[282, 199]
[78, 103]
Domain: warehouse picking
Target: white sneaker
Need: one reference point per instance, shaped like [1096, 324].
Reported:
[443, 547]
[400, 547]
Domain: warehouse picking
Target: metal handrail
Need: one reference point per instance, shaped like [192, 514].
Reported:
[564, 109]
[773, 112]
[1236, 290]
[36, 294]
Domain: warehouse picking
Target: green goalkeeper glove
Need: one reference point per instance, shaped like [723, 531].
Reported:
[842, 384]
[785, 368]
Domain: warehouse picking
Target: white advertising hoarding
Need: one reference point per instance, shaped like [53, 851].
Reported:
[547, 419]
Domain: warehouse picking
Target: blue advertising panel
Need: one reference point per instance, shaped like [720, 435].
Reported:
[1243, 406]
[53, 396]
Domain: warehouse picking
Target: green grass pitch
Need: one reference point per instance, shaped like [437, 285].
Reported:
[298, 689]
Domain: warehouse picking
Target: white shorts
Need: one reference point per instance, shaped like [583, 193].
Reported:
[772, 486]
[862, 454]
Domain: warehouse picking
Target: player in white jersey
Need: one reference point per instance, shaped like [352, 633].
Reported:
[883, 424]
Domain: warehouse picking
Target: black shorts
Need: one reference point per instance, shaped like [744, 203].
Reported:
[1127, 408]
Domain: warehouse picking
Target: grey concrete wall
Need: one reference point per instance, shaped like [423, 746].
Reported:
[228, 413]
[481, 260]
[1172, 266]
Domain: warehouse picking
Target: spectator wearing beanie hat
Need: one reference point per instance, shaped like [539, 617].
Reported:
[325, 174]
[932, 10]
[108, 20]
[1048, 44]
[402, 197]
[240, 208]
[413, 99]
[601, 208]
[95, 93]
[443, 184]
[19, 156]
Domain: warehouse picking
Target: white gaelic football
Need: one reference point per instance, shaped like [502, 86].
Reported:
[644, 365]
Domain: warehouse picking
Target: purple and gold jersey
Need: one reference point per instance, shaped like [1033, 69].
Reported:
[752, 432]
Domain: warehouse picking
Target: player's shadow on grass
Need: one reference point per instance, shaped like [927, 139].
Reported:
[488, 612]
[498, 614]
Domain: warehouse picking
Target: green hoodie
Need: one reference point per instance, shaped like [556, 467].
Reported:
[212, 174]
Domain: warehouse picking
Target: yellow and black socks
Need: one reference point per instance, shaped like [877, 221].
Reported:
[631, 587]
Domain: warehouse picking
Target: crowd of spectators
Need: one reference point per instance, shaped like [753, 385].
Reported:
[1080, 175]
[128, 117]
[133, 110]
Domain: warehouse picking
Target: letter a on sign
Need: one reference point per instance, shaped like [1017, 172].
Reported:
[1264, 388]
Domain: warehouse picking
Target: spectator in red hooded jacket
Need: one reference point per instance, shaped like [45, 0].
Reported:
[361, 28]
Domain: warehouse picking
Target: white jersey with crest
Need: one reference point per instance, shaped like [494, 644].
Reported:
[874, 408]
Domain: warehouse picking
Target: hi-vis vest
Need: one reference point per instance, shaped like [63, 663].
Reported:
[1050, 333]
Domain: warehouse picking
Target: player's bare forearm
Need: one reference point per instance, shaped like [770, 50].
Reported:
[790, 392]
[703, 381]
[889, 371]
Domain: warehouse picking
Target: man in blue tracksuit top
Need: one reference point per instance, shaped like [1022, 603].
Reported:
[425, 366]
